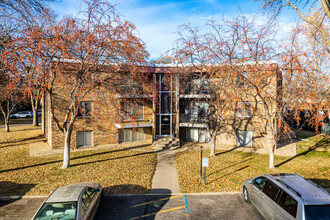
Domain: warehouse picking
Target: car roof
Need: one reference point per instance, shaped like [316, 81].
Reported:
[70, 193]
[310, 192]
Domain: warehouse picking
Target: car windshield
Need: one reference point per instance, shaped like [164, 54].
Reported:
[317, 212]
[58, 211]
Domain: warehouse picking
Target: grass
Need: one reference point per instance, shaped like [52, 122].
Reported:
[118, 170]
[17, 121]
[228, 169]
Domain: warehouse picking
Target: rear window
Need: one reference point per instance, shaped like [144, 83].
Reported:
[317, 212]
[59, 210]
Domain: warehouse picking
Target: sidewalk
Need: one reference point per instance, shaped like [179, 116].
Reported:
[165, 180]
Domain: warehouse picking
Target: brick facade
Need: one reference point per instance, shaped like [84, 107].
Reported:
[107, 132]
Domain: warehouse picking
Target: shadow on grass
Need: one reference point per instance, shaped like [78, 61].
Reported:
[322, 143]
[126, 206]
[20, 142]
[13, 189]
[237, 170]
[227, 151]
[324, 183]
[86, 156]
[230, 166]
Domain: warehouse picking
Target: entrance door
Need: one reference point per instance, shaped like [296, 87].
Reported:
[165, 104]
[165, 125]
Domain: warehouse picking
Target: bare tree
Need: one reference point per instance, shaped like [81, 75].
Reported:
[84, 56]
[232, 56]
[306, 10]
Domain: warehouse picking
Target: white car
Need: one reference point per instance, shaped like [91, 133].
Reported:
[23, 114]
[79, 201]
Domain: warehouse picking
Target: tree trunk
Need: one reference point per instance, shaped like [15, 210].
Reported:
[272, 157]
[35, 116]
[35, 104]
[213, 141]
[66, 156]
[6, 124]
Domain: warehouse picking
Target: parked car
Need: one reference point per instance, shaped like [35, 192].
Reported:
[78, 201]
[287, 196]
[23, 114]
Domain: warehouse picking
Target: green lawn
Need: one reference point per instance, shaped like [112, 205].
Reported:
[17, 121]
[118, 170]
[228, 169]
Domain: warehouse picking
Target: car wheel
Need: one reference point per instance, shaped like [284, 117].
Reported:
[246, 195]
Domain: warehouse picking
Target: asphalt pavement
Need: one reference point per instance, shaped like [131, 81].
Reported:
[146, 206]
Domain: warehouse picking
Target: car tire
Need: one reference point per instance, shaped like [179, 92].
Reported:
[246, 195]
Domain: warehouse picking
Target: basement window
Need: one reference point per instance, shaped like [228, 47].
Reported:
[130, 135]
[84, 138]
[244, 138]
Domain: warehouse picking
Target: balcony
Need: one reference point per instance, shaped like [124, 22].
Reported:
[192, 121]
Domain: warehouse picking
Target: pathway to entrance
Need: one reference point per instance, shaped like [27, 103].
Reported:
[165, 180]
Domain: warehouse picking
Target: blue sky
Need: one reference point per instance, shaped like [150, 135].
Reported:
[157, 20]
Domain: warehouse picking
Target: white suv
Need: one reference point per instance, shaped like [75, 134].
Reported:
[286, 196]
[23, 114]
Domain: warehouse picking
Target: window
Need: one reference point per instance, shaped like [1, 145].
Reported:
[85, 201]
[131, 110]
[271, 190]
[242, 79]
[316, 212]
[130, 135]
[91, 192]
[244, 109]
[84, 138]
[85, 109]
[260, 183]
[244, 138]
[196, 134]
[288, 204]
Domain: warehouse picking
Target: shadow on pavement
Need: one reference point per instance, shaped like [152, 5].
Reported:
[11, 189]
[131, 206]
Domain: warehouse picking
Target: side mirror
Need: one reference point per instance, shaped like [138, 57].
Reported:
[250, 181]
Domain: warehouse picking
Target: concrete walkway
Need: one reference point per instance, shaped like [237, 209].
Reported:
[165, 180]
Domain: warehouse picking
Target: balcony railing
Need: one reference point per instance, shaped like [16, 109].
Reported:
[192, 118]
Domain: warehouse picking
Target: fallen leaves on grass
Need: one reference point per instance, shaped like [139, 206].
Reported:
[126, 171]
[228, 170]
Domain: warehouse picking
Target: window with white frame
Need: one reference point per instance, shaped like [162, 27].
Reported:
[244, 109]
[244, 138]
[85, 109]
[84, 138]
[197, 134]
[130, 135]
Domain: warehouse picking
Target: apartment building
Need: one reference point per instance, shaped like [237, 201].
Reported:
[179, 106]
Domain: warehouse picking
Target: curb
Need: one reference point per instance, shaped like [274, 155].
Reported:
[23, 197]
[132, 194]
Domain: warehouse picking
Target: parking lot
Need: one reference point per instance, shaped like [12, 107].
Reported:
[181, 206]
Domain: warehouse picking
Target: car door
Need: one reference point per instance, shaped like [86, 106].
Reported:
[271, 191]
[92, 208]
[286, 208]
[257, 196]
[85, 202]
